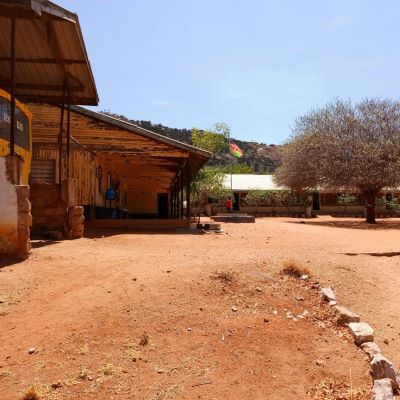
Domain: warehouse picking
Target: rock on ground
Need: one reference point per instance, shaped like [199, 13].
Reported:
[382, 368]
[361, 332]
[382, 390]
[371, 348]
[345, 316]
[327, 294]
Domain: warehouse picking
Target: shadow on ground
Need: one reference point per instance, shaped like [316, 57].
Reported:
[387, 254]
[93, 233]
[36, 243]
[9, 262]
[381, 225]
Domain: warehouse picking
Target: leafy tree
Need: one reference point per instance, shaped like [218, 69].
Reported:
[345, 146]
[213, 139]
[207, 184]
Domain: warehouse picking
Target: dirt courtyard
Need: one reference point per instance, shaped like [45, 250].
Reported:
[190, 316]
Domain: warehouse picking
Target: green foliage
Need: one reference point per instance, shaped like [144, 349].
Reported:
[211, 140]
[207, 184]
[254, 197]
[239, 168]
[393, 205]
[347, 199]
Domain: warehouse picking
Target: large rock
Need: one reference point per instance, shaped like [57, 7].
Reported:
[361, 332]
[345, 316]
[372, 349]
[382, 390]
[382, 368]
[327, 294]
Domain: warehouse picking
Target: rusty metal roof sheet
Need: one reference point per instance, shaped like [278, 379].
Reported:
[119, 123]
[50, 53]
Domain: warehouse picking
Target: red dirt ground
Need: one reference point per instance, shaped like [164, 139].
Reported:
[86, 305]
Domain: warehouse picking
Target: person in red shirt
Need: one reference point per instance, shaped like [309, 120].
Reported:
[228, 204]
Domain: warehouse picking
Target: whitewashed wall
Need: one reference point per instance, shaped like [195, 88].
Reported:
[8, 213]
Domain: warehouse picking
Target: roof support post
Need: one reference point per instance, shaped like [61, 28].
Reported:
[188, 179]
[181, 194]
[68, 130]
[13, 86]
[176, 199]
[60, 142]
[170, 202]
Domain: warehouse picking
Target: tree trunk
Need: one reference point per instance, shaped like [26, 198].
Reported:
[370, 206]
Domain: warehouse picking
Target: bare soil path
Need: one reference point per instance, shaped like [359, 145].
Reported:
[141, 316]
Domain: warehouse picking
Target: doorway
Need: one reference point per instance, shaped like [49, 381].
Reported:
[236, 202]
[315, 201]
[162, 205]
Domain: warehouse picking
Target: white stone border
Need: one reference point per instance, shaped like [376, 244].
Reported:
[384, 373]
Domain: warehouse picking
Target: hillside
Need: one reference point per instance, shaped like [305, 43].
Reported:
[262, 158]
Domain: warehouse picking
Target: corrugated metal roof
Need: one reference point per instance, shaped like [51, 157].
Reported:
[246, 182]
[141, 131]
[50, 53]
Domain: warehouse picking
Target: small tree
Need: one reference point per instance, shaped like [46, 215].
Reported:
[207, 184]
[213, 139]
[345, 147]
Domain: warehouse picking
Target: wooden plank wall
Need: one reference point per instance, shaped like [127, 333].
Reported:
[82, 168]
[144, 166]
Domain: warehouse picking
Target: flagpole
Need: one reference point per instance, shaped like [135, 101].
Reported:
[231, 159]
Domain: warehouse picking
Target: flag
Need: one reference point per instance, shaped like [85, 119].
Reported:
[235, 150]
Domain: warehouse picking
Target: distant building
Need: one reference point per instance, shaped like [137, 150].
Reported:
[326, 202]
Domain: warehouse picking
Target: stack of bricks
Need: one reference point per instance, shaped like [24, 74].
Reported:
[76, 222]
[24, 220]
[48, 210]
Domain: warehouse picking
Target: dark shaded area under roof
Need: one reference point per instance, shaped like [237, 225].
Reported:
[51, 56]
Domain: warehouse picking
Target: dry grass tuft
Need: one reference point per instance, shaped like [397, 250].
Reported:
[6, 373]
[145, 339]
[110, 370]
[331, 389]
[225, 276]
[83, 374]
[30, 394]
[295, 269]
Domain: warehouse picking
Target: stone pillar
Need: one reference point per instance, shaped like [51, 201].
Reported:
[14, 166]
[76, 222]
[24, 220]
[15, 210]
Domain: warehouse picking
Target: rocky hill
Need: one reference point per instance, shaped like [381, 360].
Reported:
[261, 158]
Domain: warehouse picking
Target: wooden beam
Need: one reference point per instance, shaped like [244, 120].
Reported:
[50, 99]
[43, 60]
[39, 86]
[60, 144]
[13, 84]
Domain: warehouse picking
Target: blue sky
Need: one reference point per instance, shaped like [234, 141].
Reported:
[255, 65]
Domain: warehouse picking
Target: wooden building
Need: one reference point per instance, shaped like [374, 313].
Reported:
[120, 170]
[42, 59]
